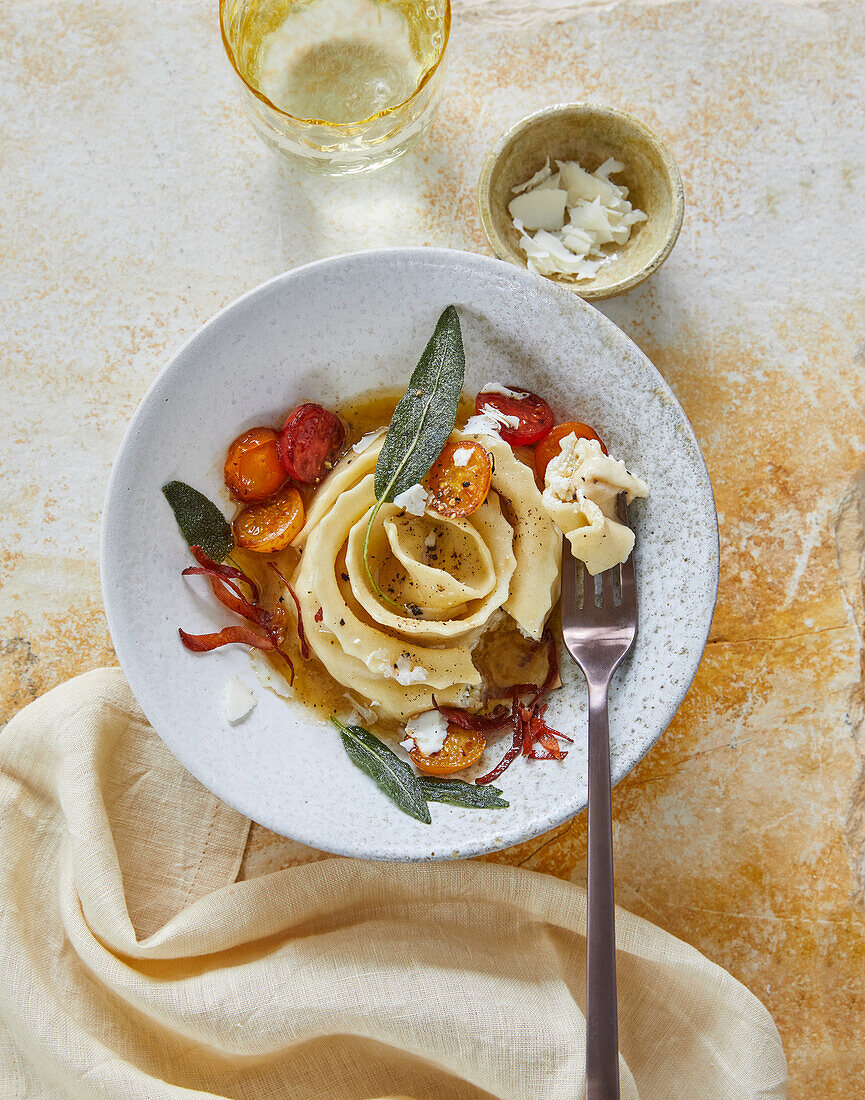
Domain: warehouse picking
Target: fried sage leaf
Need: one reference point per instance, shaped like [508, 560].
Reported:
[421, 423]
[426, 413]
[456, 792]
[395, 778]
[200, 521]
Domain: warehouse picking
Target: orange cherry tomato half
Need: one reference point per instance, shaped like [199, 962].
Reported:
[461, 749]
[533, 415]
[459, 479]
[252, 467]
[548, 448]
[270, 527]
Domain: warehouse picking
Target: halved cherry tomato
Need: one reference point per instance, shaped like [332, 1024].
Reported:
[533, 413]
[459, 479]
[309, 441]
[461, 749]
[252, 467]
[270, 527]
[547, 450]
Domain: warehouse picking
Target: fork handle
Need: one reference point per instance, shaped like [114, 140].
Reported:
[602, 1032]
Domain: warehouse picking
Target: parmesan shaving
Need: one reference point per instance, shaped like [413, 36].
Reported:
[565, 219]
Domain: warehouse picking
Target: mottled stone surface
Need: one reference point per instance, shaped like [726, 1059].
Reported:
[138, 201]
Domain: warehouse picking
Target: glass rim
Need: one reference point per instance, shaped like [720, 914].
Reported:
[424, 80]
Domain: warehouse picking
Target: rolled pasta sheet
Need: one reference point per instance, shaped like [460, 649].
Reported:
[449, 580]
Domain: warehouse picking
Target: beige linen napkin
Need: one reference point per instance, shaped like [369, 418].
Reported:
[135, 966]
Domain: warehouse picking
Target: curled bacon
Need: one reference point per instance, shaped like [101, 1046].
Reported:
[301, 633]
[517, 690]
[480, 723]
[223, 582]
[552, 666]
[228, 594]
[511, 755]
[224, 570]
[204, 643]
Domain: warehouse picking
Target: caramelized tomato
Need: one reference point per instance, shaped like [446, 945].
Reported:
[309, 442]
[461, 749]
[547, 450]
[459, 479]
[268, 528]
[535, 417]
[252, 467]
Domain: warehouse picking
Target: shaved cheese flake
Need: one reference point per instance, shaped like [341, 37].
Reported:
[537, 179]
[237, 699]
[462, 456]
[542, 209]
[505, 391]
[597, 210]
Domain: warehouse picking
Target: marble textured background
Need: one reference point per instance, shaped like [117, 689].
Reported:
[137, 201]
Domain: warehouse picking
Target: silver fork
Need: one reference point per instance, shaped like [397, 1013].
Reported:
[598, 632]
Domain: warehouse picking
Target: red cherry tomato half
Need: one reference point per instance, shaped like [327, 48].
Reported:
[533, 413]
[309, 441]
[552, 445]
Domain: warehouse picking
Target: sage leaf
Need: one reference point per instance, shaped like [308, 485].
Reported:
[393, 776]
[421, 423]
[426, 413]
[200, 521]
[457, 792]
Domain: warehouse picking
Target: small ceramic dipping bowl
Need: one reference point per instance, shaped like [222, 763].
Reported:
[588, 134]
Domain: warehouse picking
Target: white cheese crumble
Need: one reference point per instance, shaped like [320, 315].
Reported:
[564, 228]
[366, 441]
[427, 731]
[430, 541]
[481, 424]
[407, 673]
[505, 391]
[504, 420]
[462, 456]
[237, 699]
[413, 500]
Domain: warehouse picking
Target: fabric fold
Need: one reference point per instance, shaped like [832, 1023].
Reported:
[135, 965]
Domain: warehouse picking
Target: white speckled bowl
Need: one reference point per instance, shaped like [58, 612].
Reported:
[324, 332]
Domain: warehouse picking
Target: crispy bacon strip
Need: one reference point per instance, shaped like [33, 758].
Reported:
[225, 571]
[301, 633]
[230, 596]
[552, 667]
[223, 582]
[515, 691]
[480, 723]
[204, 643]
[511, 755]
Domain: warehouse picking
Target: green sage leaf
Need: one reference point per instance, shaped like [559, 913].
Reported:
[421, 423]
[200, 521]
[426, 414]
[393, 776]
[457, 792]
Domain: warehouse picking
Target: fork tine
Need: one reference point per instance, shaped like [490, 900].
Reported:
[569, 576]
[629, 584]
[607, 587]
